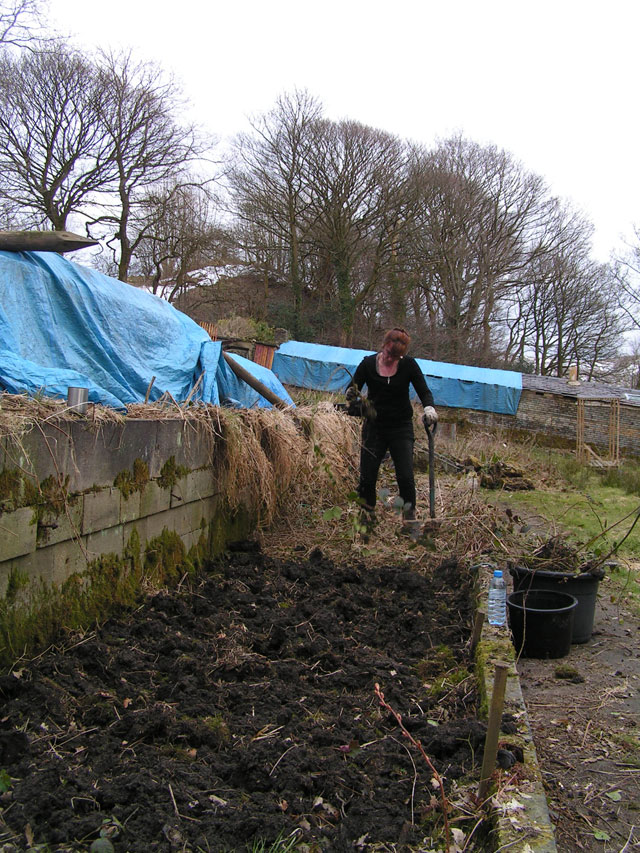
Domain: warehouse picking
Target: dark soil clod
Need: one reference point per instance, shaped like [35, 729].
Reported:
[244, 707]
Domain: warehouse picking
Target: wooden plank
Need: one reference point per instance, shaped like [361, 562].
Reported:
[43, 241]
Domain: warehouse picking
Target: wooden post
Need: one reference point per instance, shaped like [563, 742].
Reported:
[258, 386]
[614, 433]
[478, 622]
[493, 729]
[149, 387]
[580, 451]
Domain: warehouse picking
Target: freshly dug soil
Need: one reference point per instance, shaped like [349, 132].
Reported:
[241, 707]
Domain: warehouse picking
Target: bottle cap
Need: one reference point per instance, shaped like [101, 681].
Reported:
[497, 573]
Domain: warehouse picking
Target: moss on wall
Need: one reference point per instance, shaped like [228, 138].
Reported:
[35, 614]
[170, 473]
[11, 489]
[133, 481]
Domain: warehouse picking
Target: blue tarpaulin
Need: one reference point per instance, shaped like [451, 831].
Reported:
[65, 325]
[328, 368]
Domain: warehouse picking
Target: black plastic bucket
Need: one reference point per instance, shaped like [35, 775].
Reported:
[541, 622]
[584, 587]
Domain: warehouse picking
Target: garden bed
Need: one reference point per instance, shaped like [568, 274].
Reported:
[241, 708]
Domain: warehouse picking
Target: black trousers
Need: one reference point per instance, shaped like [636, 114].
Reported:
[376, 441]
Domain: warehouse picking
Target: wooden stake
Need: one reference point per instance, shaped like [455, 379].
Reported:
[493, 729]
[478, 622]
[194, 389]
[146, 396]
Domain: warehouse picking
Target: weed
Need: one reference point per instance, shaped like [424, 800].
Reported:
[282, 844]
[16, 581]
[217, 725]
[440, 659]
[51, 496]
[625, 585]
[5, 781]
[626, 477]
[444, 683]
[629, 743]
[568, 673]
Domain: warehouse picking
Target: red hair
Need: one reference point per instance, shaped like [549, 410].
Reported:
[399, 341]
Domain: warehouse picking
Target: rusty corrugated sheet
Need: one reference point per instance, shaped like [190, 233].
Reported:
[263, 354]
[210, 328]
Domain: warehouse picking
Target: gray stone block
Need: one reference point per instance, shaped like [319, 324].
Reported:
[197, 485]
[153, 499]
[191, 539]
[100, 455]
[59, 562]
[17, 533]
[27, 565]
[189, 447]
[192, 516]
[40, 453]
[68, 525]
[101, 510]
[107, 541]
[153, 525]
[129, 507]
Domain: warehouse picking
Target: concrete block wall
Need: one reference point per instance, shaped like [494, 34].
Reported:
[97, 518]
[93, 454]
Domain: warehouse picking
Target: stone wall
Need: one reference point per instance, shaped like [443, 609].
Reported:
[553, 418]
[81, 515]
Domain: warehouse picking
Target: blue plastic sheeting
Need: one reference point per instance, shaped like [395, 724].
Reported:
[64, 325]
[236, 392]
[327, 368]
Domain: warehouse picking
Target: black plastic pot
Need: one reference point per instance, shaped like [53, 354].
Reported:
[541, 622]
[584, 587]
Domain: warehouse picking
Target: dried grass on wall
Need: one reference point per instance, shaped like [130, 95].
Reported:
[270, 459]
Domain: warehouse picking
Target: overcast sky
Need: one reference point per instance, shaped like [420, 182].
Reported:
[553, 82]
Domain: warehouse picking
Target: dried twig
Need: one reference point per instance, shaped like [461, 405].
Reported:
[173, 800]
[420, 748]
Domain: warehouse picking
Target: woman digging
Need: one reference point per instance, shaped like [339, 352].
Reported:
[388, 421]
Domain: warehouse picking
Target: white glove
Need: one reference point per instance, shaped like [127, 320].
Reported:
[430, 416]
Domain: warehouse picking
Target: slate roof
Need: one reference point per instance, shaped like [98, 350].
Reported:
[584, 390]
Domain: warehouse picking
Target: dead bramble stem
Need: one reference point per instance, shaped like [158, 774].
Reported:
[420, 748]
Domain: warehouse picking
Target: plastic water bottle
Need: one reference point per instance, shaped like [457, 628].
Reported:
[497, 606]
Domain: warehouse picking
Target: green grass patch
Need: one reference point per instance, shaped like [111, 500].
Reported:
[624, 585]
[598, 512]
[594, 509]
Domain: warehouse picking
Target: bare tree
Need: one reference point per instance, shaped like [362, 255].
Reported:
[147, 146]
[481, 224]
[567, 244]
[179, 236]
[624, 370]
[626, 267]
[567, 312]
[269, 192]
[54, 154]
[22, 23]
[356, 180]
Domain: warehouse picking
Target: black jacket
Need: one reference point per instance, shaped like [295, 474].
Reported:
[390, 394]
